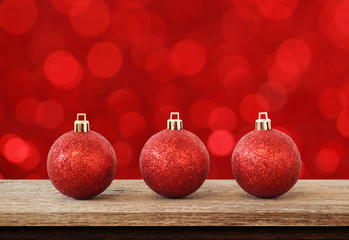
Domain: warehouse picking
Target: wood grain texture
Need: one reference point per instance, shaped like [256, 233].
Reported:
[216, 203]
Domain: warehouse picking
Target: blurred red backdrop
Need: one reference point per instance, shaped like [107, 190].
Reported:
[129, 63]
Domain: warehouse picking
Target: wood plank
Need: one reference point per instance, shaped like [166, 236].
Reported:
[132, 203]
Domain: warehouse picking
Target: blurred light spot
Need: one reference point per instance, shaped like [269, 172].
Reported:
[327, 160]
[200, 110]
[343, 123]
[240, 25]
[171, 95]
[341, 16]
[32, 160]
[71, 7]
[62, 69]
[4, 139]
[275, 94]
[336, 145]
[204, 81]
[157, 58]
[230, 63]
[163, 114]
[234, 72]
[316, 78]
[331, 21]
[188, 57]
[49, 114]
[159, 65]
[104, 59]
[134, 4]
[239, 82]
[158, 25]
[123, 152]
[222, 118]
[25, 111]
[93, 21]
[44, 43]
[240, 78]
[122, 101]
[225, 50]
[251, 105]
[1, 176]
[143, 47]
[15, 149]
[276, 9]
[132, 124]
[128, 25]
[288, 80]
[327, 20]
[332, 102]
[293, 56]
[18, 16]
[221, 143]
[275, 31]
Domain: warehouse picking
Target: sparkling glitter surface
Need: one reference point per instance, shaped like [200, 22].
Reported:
[81, 164]
[174, 163]
[266, 163]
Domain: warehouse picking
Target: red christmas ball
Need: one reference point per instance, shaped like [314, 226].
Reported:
[266, 162]
[174, 162]
[81, 164]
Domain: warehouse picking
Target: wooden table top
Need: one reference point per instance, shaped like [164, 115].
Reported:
[216, 203]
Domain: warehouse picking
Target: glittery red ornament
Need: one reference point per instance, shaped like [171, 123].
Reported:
[266, 162]
[174, 162]
[81, 163]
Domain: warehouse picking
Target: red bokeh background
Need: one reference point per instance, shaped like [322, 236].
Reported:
[129, 63]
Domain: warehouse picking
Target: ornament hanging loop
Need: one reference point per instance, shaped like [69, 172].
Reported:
[81, 125]
[263, 123]
[174, 123]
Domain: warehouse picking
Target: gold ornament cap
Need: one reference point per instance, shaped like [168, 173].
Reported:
[81, 125]
[263, 123]
[174, 123]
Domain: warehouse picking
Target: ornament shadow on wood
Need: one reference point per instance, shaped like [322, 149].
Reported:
[81, 163]
[266, 162]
